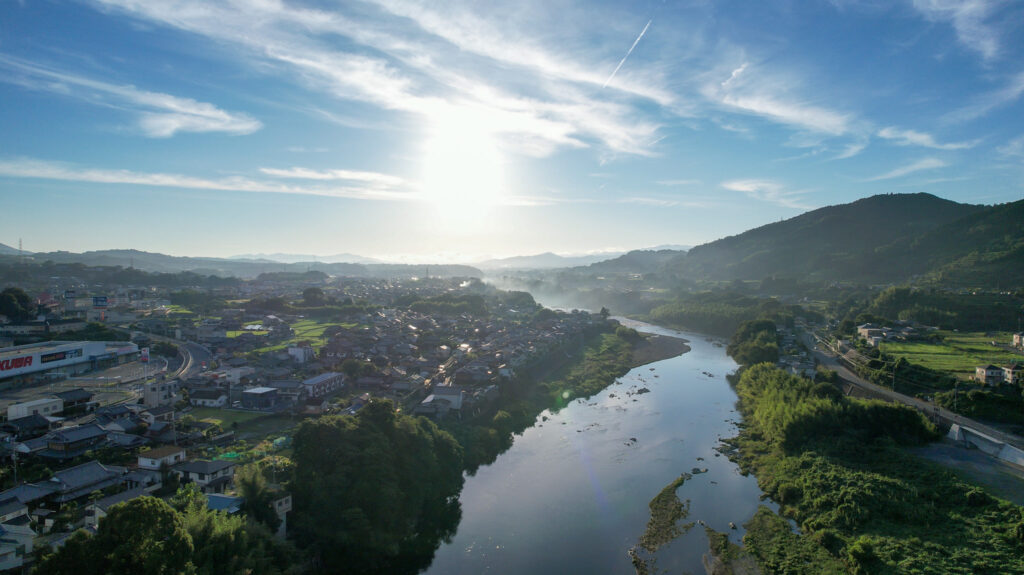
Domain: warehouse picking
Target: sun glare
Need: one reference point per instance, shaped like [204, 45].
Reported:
[462, 177]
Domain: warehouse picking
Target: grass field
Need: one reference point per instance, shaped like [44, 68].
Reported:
[237, 333]
[250, 423]
[307, 329]
[959, 353]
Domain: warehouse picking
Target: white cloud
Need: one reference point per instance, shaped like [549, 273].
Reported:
[768, 191]
[852, 149]
[985, 103]
[1014, 148]
[920, 165]
[752, 90]
[351, 175]
[159, 115]
[42, 169]
[914, 138]
[969, 20]
[426, 62]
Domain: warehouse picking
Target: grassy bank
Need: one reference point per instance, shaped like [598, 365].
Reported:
[863, 504]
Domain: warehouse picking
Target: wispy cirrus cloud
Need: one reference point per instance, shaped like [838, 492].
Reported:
[683, 182]
[429, 62]
[915, 138]
[751, 90]
[158, 115]
[768, 191]
[326, 175]
[918, 166]
[33, 168]
[970, 19]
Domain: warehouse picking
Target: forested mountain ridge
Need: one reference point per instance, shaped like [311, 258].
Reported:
[881, 239]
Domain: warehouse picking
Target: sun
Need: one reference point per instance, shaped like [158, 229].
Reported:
[462, 168]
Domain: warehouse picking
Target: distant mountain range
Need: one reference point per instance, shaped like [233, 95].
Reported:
[303, 258]
[882, 239]
[546, 260]
[162, 263]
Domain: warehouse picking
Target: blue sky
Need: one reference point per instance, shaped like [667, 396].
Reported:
[462, 130]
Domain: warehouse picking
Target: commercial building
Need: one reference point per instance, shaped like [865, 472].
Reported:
[40, 362]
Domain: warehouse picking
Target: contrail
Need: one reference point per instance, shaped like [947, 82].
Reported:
[630, 51]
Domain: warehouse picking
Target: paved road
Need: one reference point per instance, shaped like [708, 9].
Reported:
[829, 360]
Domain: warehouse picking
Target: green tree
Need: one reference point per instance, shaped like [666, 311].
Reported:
[376, 492]
[16, 304]
[144, 536]
[313, 296]
[252, 485]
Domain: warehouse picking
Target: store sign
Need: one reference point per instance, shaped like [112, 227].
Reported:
[60, 355]
[99, 301]
[16, 363]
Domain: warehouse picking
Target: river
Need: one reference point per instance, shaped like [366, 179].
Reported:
[571, 494]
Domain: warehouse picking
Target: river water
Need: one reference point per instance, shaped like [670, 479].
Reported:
[571, 494]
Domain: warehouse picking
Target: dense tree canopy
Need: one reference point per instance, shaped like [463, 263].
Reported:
[376, 492]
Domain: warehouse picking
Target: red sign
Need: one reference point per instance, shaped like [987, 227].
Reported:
[16, 363]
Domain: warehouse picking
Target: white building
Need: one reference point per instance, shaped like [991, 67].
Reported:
[47, 407]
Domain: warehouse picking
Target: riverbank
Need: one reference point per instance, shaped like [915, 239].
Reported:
[862, 502]
[658, 348]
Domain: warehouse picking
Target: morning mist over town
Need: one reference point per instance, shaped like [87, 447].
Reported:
[391, 286]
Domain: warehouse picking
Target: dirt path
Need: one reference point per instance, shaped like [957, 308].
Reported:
[1001, 479]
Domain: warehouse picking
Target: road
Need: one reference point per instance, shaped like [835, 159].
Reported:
[829, 360]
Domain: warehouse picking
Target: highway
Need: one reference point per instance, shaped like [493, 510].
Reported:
[830, 360]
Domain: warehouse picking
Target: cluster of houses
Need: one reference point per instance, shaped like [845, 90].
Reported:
[47, 511]
[793, 358]
[875, 334]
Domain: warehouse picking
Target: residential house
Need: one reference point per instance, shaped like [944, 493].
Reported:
[71, 442]
[1018, 340]
[28, 427]
[989, 374]
[210, 476]
[158, 457]
[208, 397]
[301, 354]
[324, 384]
[75, 399]
[1013, 374]
[443, 399]
[81, 480]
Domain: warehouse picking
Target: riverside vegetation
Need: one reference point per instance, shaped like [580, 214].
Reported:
[863, 504]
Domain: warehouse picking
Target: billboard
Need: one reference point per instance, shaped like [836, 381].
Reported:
[99, 301]
[145, 355]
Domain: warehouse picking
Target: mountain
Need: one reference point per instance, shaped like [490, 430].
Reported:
[636, 262]
[546, 260]
[867, 241]
[343, 258]
[162, 263]
[6, 250]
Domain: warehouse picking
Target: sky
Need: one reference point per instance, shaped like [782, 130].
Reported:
[461, 130]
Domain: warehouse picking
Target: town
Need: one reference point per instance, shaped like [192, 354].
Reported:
[190, 392]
